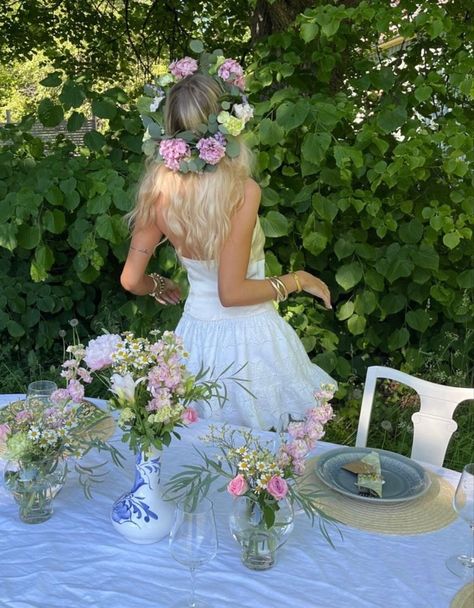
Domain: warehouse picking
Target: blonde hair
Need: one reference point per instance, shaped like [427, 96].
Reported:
[198, 206]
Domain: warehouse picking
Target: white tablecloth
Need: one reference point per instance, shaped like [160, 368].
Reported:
[77, 559]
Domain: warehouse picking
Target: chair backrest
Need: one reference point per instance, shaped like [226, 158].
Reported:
[433, 424]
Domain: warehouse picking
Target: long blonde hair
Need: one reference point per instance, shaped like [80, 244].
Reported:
[199, 206]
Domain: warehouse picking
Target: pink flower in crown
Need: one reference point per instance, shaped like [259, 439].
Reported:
[76, 391]
[231, 71]
[99, 351]
[189, 416]
[237, 486]
[173, 151]
[183, 67]
[277, 487]
[211, 150]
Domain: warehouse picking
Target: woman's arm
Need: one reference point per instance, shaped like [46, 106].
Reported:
[134, 277]
[234, 288]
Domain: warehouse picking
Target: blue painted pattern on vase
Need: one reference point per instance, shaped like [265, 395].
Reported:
[141, 515]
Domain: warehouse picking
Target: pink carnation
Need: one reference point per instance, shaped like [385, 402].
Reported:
[173, 151]
[189, 416]
[232, 71]
[59, 396]
[277, 487]
[238, 485]
[211, 150]
[183, 67]
[100, 350]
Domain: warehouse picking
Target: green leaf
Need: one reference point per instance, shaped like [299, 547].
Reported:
[233, 147]
[418, 319]
[52, 80]
[392, 303]
[270, 132]
[49, 113]
[356, 325]
[273, 266]
[274, 224]
[349, 275]
[423, 93]
[8, 234]
[398, 339]
[345, 311]
[411, 232]
[291, 115]
[94, 140]
[465, 280]
[397, 268]
[343, 248]
[451, 240]
[54, 221]
[71, 96]
[315, 242]
[15, 329]
[309, 31]
[28, 236]
[196, 46]
[75, 121]
[111, 228]
[426, 257]
[103, 108]
[390, 120]
[315, 146]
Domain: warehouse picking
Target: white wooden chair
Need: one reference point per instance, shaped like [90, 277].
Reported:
[433, 424]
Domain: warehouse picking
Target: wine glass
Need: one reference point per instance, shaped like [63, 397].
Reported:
[463, 503]
[193, 541]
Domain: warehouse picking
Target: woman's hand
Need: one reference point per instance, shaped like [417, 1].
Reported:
[171, 294]
[315, 287]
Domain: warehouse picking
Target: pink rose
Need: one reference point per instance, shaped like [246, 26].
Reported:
[189, 416]
[277, 487]
[238, 485]
[4, 432]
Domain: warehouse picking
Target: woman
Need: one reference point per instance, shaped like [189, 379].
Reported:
[199, 195]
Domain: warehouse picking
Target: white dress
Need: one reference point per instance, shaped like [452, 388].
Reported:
[278, 371]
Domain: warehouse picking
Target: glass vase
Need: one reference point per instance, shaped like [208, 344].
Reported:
[259, 544]
[34, 485]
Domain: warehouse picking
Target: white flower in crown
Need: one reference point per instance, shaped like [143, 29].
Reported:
[155, 104]
[233, 125]
[123, 387]
[243, 111]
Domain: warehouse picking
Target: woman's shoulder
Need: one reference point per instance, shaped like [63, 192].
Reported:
[252, 193]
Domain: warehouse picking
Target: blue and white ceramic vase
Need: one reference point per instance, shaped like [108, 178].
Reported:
[142, 516]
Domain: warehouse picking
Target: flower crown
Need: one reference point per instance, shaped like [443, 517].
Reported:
[200, 150]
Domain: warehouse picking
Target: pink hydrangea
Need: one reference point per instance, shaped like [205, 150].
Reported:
[59, 396]
[173, 151]
[99, 351]
[232, 71]
[211, 149]
[183, 67]
[76, 391]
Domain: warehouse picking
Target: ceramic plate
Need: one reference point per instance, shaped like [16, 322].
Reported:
[404, 478]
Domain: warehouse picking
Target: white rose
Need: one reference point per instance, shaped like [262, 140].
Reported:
[243, 111]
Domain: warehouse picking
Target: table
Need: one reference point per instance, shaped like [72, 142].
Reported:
[77, 559]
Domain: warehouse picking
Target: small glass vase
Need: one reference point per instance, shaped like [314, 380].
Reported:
[258, 543]
[34, 485]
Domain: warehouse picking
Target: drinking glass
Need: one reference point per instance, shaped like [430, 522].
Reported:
[463, 503]
[41, 391]
[193, 541]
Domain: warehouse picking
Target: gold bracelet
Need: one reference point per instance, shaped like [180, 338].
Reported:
[283, 288]
[297, 281]
[276, 287]
[159, 285]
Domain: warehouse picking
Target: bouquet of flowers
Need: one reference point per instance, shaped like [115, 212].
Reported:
[256, 470]
[148, 380]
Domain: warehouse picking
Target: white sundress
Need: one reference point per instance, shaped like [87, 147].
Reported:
[278, 372]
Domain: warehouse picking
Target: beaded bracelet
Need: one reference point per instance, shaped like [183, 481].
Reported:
[159, 285]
